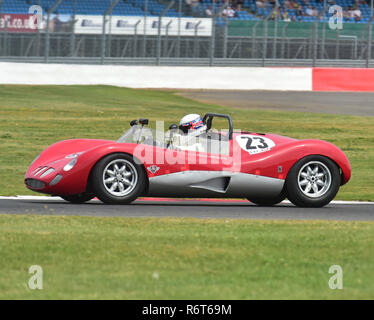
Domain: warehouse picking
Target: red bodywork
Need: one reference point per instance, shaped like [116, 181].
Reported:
[274, 163]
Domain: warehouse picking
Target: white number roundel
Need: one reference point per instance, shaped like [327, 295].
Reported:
[254, 144]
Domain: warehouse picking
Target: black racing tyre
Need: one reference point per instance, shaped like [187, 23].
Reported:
[313, 182]
[117, 179]
[79, 198]
[268, 201]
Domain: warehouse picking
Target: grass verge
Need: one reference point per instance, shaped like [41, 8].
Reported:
[33, 117]
[115, 258]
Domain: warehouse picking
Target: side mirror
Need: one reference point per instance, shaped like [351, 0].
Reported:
[173, 127]
[143, 122]
[133, 123]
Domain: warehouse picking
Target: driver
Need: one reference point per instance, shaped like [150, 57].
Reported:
[191, 127]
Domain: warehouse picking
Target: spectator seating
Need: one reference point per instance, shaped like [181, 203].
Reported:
[249, 10]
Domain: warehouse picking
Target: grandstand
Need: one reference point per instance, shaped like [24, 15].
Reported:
[248, 10]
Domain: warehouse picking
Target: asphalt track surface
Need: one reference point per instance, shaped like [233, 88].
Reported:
[189, 209]
[349, 103]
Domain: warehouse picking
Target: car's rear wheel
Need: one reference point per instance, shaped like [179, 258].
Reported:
[79, 198]
[117, 179]
[267, 201]
[313, 182]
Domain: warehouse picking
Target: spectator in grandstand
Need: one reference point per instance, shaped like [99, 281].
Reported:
[238, 4]
[56, 23]
[192, 7]
[347, 13]
[357, 13]
[228, 12]
[188, 7]
[290, 4]
[208, 11]
[276, 14]
[286, 4]
[195, 6]
[261, 3]
[309, 11]
[285, 16]
[300, 11]
[315, 12]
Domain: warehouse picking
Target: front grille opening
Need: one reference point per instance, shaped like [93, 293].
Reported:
[35, 184]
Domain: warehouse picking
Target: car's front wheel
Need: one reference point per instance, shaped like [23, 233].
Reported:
[313, 182]
[117, 179]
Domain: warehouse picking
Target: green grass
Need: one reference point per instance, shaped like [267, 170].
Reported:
[116, 258]
[33, 117]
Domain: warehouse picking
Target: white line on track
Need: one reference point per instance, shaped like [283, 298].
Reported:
[44, 198]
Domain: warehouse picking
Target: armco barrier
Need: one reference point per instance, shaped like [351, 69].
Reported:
[219, 78]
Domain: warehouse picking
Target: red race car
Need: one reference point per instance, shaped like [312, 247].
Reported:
[264, 168]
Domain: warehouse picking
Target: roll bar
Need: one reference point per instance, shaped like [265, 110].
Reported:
[208, 120]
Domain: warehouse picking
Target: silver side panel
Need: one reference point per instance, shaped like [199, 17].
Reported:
[213, 184]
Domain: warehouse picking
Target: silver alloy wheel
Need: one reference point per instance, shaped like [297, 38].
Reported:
[314, 179]
[120, 177]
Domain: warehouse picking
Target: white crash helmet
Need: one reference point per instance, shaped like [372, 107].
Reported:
[192, 124]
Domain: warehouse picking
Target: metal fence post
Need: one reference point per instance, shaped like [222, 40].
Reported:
[283, 39]
[5, 40]
[322, 51]
[103, 37]
[225, 38]
[265, 44]
[254, 39]
[315, 34]
[167, 38]
[171, 3]
[337, 51]
[196, 45]
[72, 36]
[2, 31]
[315, 42]
[213, 38]
[135, 46]
[47, 35]
[178, 51]
[275, 30]
[368, 58]
[145, 28]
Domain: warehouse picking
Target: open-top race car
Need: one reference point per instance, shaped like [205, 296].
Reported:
[264, 168]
